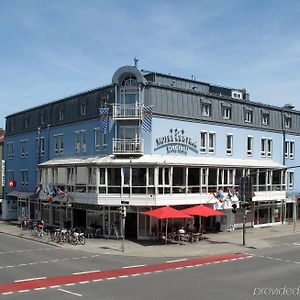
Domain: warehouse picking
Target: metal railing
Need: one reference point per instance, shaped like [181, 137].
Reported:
[122, 111]
[128, 146]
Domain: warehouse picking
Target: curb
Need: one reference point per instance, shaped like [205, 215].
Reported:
[31, 239]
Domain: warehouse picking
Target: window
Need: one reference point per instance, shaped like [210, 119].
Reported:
[249, 145]
[24, 148]
[82, 108]
[265, 119]
[10, 175]
[206, 109]
[80, 141]
[289, 149]
[266, 147]
[207, 142]
[99, 139]
[26, 122]
[248, 116]
[211, 142]
[236, 95]
[58, 144]
[291, 179]
[40, 146]
[229, 144]
[226, 112]
[287, 122]
[42, 118]
[60, 113]
[10, 150]
[203, 137]
[129, 91]
[24, 178]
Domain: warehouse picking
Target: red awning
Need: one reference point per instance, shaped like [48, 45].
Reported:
[167, 212]
[201, 210]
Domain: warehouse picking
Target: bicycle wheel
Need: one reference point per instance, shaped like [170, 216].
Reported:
[81, 239]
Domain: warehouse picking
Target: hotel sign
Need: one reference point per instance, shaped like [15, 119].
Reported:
[176, 142]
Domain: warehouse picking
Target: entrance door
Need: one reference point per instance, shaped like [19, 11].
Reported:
[79, 218]
[131, 226]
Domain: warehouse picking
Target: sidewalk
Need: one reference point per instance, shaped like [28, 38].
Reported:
[214, 244]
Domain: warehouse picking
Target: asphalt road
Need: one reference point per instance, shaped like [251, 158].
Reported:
[270, 273]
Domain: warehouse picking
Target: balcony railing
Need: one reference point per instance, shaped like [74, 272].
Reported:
[121, 111]
[128, 146]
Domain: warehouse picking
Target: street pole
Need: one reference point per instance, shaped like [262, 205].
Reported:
[294, 214]
[244, 228]
[123, 230]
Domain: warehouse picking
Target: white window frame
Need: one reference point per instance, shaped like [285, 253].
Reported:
[286, 149]
[287, 122]
[58, 144]
[204, 140]
[10, 150]
[292, 150]
[269, 147]
[97, 139]
[248, 116]
[24, 177]
[263, 146]
[40, 146]
[229, 149]
[24, 148]
[266, 147]
[290, 179]
[211, 137]
[265, 120]
[226, 112]
[249, 149]
[206, 109]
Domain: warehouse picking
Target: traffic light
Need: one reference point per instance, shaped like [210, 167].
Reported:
[234, 207]
[122, 211]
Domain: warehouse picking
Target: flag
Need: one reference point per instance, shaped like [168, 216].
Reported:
[38, 188]
[147, 118]
[104, 119]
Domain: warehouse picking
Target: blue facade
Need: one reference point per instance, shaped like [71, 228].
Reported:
[186, 122]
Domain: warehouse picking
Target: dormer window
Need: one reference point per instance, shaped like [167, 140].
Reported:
[236, 95]
[60, 113]
[82, 108]
[265, 119]
[287, 122]
[26, 122]
[226, 111]
[42, 118]
[248, 115]
[206, 109]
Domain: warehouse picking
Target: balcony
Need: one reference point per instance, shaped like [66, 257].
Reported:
[132, 112]
[128, 146]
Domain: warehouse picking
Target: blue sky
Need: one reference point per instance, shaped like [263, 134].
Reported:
[55, 48]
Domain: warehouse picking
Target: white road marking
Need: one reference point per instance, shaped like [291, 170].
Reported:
[54, 286]
[86, 272]
[97, 280]
[110, 278]
[39, 289]
[83, 282]
[7, 293]
[136, 266]
[68, 292]
[69, 284]
[137, 274]
[30, 279]
[123, 276]
[23, 291]
[176, 260]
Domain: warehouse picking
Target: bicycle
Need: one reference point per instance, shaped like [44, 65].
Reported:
[77, 237]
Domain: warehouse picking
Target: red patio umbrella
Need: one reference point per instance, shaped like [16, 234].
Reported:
[167, 212]
[202, 211]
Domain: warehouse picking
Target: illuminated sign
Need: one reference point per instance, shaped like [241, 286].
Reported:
[176, 142]
[11, 184]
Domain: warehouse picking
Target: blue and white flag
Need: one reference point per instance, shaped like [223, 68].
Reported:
[104, 119]
[147, 118]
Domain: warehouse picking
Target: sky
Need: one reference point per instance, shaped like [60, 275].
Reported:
[51, 49]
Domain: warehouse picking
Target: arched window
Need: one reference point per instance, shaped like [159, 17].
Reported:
[129, 91]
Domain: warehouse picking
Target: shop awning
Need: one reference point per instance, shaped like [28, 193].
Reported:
[167, 160]
[22, 195]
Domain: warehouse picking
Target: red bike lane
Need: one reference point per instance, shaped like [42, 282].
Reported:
[40, 283]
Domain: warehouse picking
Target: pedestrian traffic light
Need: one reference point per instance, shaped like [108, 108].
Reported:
[122, 211]
[234, 207]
